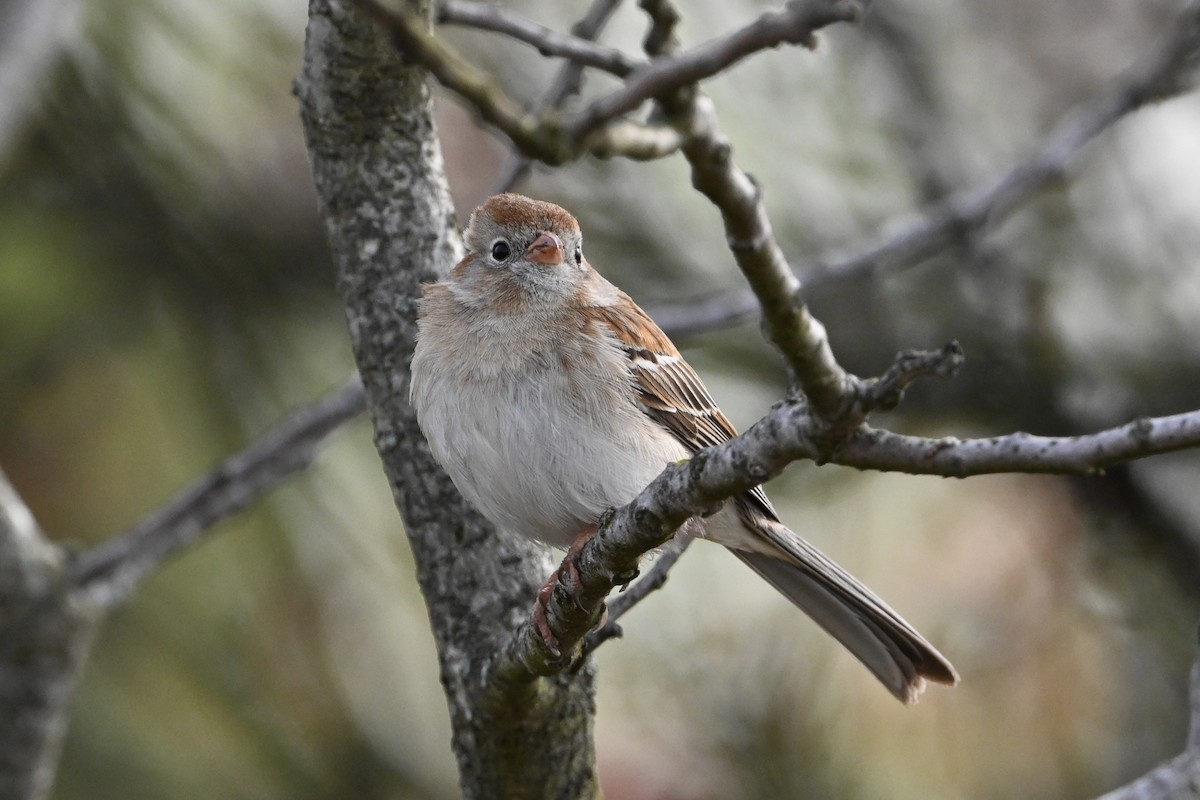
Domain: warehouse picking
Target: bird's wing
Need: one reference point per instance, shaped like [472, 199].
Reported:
[666, 387]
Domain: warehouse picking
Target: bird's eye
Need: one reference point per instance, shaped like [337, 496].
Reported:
[501, 250]
[578, 255]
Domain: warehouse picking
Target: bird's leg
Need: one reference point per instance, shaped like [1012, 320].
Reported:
[568, 569]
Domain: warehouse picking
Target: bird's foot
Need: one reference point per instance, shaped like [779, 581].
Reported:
[568, 575]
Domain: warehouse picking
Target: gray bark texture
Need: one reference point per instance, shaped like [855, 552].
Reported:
[378, 172]
[44, 641]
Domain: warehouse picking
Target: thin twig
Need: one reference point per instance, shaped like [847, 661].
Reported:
[542, 135]
[800, 337]
[636, 141]
[566, 84]
[477, 88]
[654, 579]
[1163, 73]
[794, 24]
[109, 572]
[547, 41]
[553, 139]
[885, 392]
[715, 311]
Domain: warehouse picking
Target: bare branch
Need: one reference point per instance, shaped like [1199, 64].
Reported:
[540, 136]
[567, 83]
[789, 433]
[1163, 73]
[798, 334]
[1020, 452]
[662, 39]
[712, 312]
[547, 41]
[110, 572]
[636, 141]
[651, 582]
[885, 392]
[794, 24]
[477, 88]
[47, 630]
[550, 138]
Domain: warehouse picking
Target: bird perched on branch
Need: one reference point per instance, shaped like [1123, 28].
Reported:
[550, 397]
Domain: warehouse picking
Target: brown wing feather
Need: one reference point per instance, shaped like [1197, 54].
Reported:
[667, 388]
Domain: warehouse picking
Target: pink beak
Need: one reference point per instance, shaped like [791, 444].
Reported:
[546, 250]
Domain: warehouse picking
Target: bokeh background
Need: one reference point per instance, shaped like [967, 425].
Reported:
[165, 294]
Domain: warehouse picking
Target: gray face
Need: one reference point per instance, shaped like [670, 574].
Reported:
[499, 239]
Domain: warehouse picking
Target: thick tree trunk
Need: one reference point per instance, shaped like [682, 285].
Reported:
[378, 173]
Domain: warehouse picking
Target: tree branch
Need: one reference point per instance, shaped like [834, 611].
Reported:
[566, 84]
[792, 432]
[110, 572]
[1019, 452]
[715, 311]
[50, 605]
[635, 141]
[412, 38]
[738, 197]
[1163, 73]
[795, 24]
[553, 139]
[540, 136]
[654, 579]
[547, 41]
[885, 392]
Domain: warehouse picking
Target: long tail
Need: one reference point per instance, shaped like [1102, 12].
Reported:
[877, 636]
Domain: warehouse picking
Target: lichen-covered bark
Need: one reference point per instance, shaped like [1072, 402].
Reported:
[379, 177]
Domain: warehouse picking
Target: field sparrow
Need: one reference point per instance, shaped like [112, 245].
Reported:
[550, 397]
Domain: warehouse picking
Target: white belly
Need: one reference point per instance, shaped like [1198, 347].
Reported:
[538, 454]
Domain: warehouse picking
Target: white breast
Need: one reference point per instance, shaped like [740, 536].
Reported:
[540, 450]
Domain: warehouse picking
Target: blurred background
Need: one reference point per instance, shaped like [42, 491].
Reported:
[165, 294]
